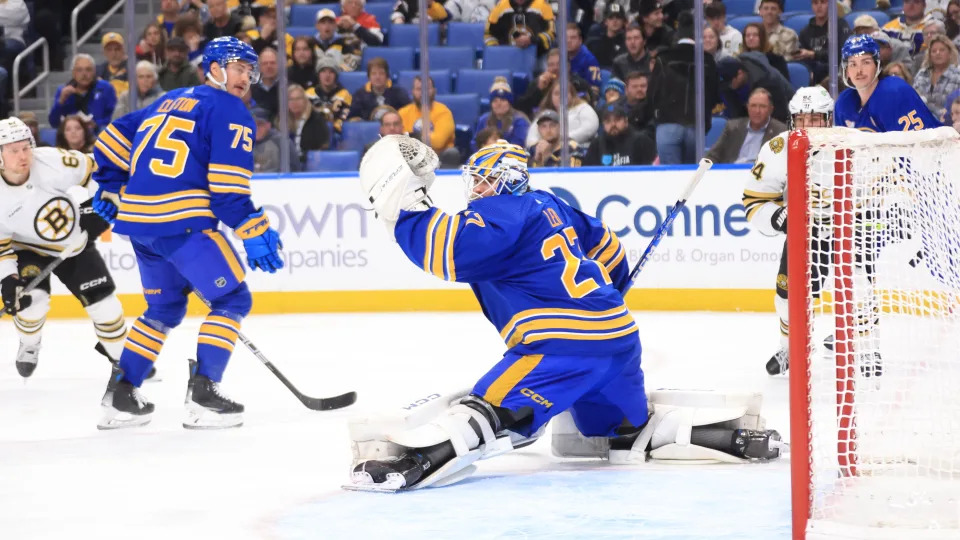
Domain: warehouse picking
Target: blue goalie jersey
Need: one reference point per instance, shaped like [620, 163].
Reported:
[893, 106]
[548, 277]
[180, 165]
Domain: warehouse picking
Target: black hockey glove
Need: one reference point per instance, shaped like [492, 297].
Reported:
[91, 222]
[779, 219]
[10, 287]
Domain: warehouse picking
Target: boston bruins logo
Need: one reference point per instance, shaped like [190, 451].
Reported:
[55, 219]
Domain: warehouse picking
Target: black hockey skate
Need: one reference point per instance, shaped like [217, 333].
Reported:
[115, 361]
[27, 357]
[779, 363]
[123, 405]
[390, 474]
[207, 407]
[758, 445]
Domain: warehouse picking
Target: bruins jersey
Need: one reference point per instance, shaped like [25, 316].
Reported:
[510, 19]
[766, 187]
[38, 215]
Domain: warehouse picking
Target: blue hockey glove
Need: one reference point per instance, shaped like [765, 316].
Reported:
[261, 243]
[105, 205]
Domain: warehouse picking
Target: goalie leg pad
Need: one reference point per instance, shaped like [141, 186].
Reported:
[667, 436]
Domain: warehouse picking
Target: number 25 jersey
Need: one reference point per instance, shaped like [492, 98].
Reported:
[180, 164]
[547, 276]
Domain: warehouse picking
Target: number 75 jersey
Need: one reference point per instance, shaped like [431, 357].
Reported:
[180, 164]
[548, 277]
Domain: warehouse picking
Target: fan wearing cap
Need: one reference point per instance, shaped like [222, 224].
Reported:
[114, 68]
[511, 123]
[908, 26]
[891, 50]
[546, 152]
[177, 71]
[655, 33]
[343, 49]
[521, 23]
[618, 143]
[328, 95]
[607, 46]
[874, 102]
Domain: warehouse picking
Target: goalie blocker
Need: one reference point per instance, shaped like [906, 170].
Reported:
[436, 440]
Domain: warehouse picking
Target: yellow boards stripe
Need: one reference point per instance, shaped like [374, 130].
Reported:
[510, 378]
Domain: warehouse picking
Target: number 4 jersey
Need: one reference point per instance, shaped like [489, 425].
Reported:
[549, 277]
[180, 164]
[39, 215]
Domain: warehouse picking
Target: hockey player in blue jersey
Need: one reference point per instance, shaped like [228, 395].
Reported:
[168, 175]
[874, 102]
[551, 279]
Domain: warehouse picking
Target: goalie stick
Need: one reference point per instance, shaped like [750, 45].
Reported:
[705, 165]
[312, 403]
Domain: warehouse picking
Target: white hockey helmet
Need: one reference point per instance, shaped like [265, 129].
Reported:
[13, 130]
[811, 100]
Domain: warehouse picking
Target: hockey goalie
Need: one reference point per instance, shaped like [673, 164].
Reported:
[551, 279]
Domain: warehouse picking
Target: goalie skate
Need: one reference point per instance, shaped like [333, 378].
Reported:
[27, 357]
[207, 407]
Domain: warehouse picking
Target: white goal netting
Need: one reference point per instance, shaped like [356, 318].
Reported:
[883, 404]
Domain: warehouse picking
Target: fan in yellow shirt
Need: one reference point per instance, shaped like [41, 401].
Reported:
[442, 128]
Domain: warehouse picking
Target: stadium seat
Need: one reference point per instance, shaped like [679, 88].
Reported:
[332, 160]
[382, 11]
[881, 17]
[863, 5]
[796, 5]
[717, 123]
[740, 7]
[297, 31]
[356, 135]
[512, 58]
[452, 58]
[740, 22]
[442, 79]
[797, 22]
[399, 58]
[461, 34]
[799, 74]
[353, 80]
[49, 136]
[408, 35]
[306, 14]
[465, 107]
[478, 81]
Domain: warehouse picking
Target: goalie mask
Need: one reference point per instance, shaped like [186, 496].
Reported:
[14, 130]
[495, 169]
[811, 100]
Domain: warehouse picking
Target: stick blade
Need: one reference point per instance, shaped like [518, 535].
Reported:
[329, 403]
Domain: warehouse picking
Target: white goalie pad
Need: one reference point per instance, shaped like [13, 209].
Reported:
[396, 174]
[668, 432]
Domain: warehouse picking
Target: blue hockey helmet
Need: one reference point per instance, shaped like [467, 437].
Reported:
[501, 165]
[858, 45]
[226, 49]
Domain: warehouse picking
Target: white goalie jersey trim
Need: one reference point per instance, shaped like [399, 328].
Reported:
[40, 214]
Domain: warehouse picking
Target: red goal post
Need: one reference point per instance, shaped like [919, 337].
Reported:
[875, 429]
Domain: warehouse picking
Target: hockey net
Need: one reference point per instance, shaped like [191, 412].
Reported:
[875, 422]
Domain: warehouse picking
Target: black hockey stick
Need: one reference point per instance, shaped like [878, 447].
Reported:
[72, 249]
[312, 403]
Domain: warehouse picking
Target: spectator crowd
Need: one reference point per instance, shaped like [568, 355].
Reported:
[630, 100]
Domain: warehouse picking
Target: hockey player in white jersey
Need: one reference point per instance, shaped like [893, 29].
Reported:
[764, 198]
[40, 219]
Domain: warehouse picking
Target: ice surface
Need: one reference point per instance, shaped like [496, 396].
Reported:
[279, 475]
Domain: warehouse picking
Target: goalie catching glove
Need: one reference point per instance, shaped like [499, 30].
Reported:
[396, 175]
